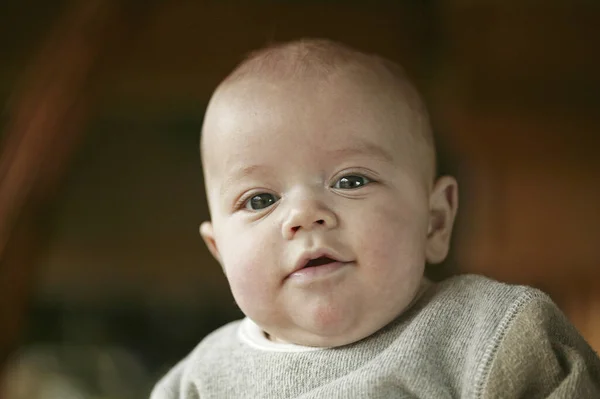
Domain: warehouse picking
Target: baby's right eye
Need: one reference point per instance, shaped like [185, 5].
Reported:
[260, 201]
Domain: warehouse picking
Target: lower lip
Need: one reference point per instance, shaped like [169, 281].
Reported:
[315, 272]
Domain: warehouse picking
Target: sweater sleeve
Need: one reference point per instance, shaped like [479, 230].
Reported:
[541, 355]
[175, 385]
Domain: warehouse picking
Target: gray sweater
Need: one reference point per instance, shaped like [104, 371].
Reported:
[467, 337]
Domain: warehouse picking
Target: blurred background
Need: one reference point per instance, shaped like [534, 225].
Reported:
[105, 282]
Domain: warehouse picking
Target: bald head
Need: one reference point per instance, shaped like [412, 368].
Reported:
[331, 63]
[299, 59]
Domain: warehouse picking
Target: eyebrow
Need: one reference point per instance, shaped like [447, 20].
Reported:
[364, 148]
[240, 174]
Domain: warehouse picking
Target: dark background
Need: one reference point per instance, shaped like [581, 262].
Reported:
[104, 279]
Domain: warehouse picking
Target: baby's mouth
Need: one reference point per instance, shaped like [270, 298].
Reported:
[320, 261]
[314, 264]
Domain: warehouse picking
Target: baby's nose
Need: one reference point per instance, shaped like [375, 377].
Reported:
[308, 215]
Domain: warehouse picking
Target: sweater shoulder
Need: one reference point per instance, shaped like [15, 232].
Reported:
[484, 295]
[463, 320]
[217, 342]
[489, 308]
[180, 381]
[479, 309]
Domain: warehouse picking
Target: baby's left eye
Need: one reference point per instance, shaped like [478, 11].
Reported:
[351, 182]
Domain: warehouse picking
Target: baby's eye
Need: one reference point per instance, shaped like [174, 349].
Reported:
[260, 201]
[351, 182]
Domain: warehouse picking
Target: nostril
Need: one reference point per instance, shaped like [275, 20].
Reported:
[295, 229]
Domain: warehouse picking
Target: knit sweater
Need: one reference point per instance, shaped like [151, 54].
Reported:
[467, 337]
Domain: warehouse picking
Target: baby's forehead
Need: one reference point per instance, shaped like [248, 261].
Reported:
[338, 73]
[347, 99]
[350, 89]
[321, 140]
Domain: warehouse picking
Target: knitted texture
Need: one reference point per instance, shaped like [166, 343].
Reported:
[467, 337]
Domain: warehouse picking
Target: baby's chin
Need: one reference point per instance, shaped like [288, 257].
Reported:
[339, 329]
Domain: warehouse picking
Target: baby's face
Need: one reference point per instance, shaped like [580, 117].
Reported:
[319, 216]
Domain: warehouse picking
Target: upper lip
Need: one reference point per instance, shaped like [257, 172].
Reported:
[307, 256]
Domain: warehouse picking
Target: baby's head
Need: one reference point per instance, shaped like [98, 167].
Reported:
[319, 167]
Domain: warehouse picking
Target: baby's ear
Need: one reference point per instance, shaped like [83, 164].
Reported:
[443, 204]
[207, 233]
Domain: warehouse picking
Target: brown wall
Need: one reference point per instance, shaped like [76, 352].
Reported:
[515, 94]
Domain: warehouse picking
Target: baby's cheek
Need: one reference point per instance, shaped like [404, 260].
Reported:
[391, 238]
[248, 271]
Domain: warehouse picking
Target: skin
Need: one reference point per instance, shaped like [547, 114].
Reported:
[297, 143]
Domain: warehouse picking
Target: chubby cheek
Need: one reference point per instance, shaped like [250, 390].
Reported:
[392, 244]
[249, 265]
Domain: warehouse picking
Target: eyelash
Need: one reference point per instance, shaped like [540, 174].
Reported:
[245, 202]
[366, 179]
[241, 204]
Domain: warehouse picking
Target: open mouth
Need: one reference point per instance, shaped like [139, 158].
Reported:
[320, 261]
[317, 265]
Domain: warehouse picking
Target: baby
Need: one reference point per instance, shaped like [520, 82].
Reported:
[319, 167]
